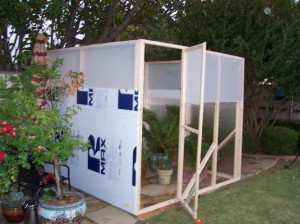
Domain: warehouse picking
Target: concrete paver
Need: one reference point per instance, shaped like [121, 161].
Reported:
[111, 215]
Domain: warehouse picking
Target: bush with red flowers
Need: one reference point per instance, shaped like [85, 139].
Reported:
[34, 126]
[6, 129]
[7, 154]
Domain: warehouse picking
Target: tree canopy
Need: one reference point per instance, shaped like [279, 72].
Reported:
[68, 23]
[266, 34]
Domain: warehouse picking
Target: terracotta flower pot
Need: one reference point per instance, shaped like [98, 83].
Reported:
[13, 215]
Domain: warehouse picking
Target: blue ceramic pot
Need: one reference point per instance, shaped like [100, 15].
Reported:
[69, 213]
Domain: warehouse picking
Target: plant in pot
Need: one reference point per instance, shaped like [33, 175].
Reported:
[12, 206]
[165, 169]
[161, 136]
[43, 131]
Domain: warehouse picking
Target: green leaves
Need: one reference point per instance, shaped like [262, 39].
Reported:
[42, 133]
[268, 42]
[161, 135]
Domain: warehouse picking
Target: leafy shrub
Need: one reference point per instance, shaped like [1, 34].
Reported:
[279, 140]
[293, 124]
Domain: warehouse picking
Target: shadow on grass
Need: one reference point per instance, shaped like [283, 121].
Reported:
[270, 197]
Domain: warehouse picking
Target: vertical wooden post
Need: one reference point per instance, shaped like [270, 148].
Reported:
[181, 125]
[238, 140]
[216, 127]
[200, 129]
[215, 140]
[139, 85]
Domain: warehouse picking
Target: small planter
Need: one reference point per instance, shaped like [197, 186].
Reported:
[164, 176]
[11, 204]
[63, 213]
[12, 215]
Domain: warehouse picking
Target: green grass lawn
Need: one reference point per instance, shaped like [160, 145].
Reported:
[271, 197]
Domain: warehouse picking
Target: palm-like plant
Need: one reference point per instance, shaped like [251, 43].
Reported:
[161, 135]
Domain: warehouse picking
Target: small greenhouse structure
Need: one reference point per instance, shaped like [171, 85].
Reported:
[121, 81]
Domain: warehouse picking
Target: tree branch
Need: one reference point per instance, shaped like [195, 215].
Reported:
[69, 31]
[111, 31]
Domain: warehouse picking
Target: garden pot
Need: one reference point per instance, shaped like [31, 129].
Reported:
[63, 213]
[164, 176]
[30, 211]
[13, 214]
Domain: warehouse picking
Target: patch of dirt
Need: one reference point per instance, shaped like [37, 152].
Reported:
[67, 199]
[255, 165]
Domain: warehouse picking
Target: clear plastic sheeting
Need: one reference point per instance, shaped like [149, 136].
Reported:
[164, 76]
[162, 85]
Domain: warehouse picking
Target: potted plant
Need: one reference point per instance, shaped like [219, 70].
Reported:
[12, 206]
[161, 136]
[165, 169]
[43, 129]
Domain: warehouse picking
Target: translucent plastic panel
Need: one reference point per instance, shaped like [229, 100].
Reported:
[164, 76]
[162, 85]
[232, 79]
[211, 88]
[71, 59]
[227, 119]
[226, 126]
[224, 73]
[110, 66]
[193, 68]
[163, 82]
[224, 78]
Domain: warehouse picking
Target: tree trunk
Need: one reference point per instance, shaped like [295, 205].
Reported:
[59, 190]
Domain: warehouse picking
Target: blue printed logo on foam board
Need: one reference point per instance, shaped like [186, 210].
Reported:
[97, 155]
[133, 181]
[85, 97]
[128, 100]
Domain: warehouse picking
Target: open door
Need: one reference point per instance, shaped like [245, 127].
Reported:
[192, 77]
[211, 111]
